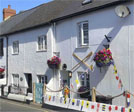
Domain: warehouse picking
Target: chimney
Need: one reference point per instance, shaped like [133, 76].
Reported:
[8, 12]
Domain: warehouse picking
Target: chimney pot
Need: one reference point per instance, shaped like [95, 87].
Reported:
[9, 6]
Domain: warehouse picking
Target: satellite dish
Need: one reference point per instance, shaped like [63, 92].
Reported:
[122, 11]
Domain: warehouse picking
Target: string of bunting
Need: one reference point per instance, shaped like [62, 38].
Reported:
[120, 84]
[83, 105]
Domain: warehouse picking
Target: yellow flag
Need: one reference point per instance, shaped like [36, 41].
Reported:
[82, 103]
[115, 68]
[49, 98]
[77, 81]
[87, 105]
[73, 100]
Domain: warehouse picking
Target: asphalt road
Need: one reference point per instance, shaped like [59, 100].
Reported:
[13, 106]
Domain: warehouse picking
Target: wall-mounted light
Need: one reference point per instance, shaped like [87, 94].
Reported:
[70, 74]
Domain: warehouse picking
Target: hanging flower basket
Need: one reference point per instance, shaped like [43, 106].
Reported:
[54, 62]
[103, 58]
[2, 70]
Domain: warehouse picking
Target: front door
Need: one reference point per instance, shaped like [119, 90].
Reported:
[29, 82]
[65, 78]
[38, 92]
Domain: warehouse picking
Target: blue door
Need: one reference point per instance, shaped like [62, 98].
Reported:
[38, 92]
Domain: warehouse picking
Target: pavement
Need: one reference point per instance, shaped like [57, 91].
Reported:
[15, 106]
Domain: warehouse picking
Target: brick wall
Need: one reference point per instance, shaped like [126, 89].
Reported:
[8, 12]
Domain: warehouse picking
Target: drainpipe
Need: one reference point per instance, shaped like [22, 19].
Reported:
[6, 60]
[54, 37]
[6, 66]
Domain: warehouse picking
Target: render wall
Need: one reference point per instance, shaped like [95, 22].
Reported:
[3, 62]
[102, 22]
[29, 60]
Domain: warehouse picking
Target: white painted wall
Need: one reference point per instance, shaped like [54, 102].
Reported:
[29, 60]
[102, 22]
[3, 62]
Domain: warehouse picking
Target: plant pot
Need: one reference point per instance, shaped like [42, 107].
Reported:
[103, 64]
[53, 66]
[99, 64]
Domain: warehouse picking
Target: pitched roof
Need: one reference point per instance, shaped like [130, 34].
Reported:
[50, 12]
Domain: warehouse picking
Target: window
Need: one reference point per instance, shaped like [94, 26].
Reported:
[42, 43]
[42, 79]
[83, 34]
[16, 80]
[2, 76]
[15, 47]
[84, 79]
[46, 80]
[1, 47]
[86, 2]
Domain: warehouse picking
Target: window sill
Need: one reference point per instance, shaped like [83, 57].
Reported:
[15, 53]
[41, 51]
[82, 47]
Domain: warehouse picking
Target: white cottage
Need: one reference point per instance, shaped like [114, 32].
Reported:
[64, 28]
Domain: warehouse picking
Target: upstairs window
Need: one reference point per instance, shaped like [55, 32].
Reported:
[16, 47]
[42, 43]
[1, 47]
[83, 39]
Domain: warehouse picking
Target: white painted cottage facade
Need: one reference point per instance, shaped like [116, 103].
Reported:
[62, 37]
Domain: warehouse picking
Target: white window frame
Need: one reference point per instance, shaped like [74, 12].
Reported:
[84, 82]
[42, 45]
[15, 82]
[81, 29]
[41, 79]
[15, 47]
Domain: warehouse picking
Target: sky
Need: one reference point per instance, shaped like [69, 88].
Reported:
[19, 5]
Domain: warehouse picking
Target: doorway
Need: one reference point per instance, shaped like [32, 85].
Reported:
[65, 78]
[29, 82]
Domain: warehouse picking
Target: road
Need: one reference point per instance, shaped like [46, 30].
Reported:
[13, 106]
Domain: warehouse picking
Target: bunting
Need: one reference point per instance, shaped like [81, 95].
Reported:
[120, 85]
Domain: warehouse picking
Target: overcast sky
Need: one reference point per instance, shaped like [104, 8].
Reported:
[19, 5]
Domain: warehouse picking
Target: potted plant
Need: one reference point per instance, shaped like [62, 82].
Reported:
[103, 58]
[54, 62]
[84, 92]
